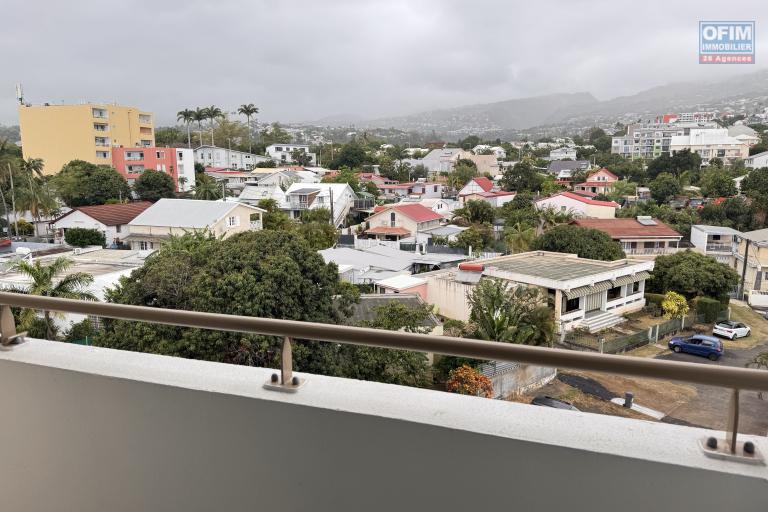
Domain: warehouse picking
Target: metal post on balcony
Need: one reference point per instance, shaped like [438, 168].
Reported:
[286, 381]
[8, 335]
[732, 432]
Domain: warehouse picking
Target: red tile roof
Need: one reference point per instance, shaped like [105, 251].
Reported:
[585, 193]
[415, 212]
[491, 194]
[595, 184]
[628, 228]
[484, 183]
[585, 200]
[387, 230]
[112, 214]
[604, 171]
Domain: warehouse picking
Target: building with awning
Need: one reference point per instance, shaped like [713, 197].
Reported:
[583, 293]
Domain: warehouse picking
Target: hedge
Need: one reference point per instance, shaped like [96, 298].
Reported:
[82, 237]
[710, 308]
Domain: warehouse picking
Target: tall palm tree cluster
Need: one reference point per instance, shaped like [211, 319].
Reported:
[24, 188]
[211, 115]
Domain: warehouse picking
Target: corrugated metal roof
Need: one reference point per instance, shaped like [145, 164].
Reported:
[582, 291]
[186, 213]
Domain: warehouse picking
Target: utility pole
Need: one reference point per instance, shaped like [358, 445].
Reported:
[13, 204]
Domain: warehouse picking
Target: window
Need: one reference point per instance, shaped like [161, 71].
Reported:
[100, 127]
[572, 304]
[146, 143]
[233, 221]
[145, 119]
[649, 245]
[614, 293]
[392, 219]
[102, 141]
[636, 287]
[435, 188]
[99, 112]
[102, 154]
[159, 154]
[143, 246]
[117, 228]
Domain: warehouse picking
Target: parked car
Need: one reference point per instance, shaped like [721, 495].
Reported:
[548, 401]
[707, 346]
[731, 330]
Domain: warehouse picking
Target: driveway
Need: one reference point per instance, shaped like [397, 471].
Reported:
[709, 407]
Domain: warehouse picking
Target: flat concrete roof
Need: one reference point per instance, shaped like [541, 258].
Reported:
[558, 267]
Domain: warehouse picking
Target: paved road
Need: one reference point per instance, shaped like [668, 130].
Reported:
[710, 407]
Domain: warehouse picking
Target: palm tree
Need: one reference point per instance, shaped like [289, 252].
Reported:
[550, 217]
[33, 166]
[37, 199]
[212, 113]
[199, 116]
[206, 189]
[186, 116]
[249, 110]
[519, 237]
[44, 282]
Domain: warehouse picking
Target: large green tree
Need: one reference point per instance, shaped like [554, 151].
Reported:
[154, 185]
[664, 187]
[692, 274]
[271, 274]
[523, 176]
[476, 212]
[82, 183]
[717, 182]
[586, 242]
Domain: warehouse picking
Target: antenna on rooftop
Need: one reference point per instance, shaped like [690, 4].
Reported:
[19, 94]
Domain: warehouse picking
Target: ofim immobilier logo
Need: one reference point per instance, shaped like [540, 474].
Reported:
[726, 42]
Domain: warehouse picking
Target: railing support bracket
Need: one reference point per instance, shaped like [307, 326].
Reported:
[732, 449]
[286, 381]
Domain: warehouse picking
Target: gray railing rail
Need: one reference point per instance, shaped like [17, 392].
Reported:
[723, 376]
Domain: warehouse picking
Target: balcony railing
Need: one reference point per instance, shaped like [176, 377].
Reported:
[729, 377]
[651, 250]
[720, 248]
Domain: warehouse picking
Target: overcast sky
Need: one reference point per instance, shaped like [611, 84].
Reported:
[303, 60]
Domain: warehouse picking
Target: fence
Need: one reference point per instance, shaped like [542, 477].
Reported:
[580, 340]
[513, 378]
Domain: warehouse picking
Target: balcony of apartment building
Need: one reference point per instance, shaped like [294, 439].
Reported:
[100, 127]
[650, 248]
[145, 119]
[101, 141]
[134, 155]
[99, 113]
[93, 429]
[135, 168]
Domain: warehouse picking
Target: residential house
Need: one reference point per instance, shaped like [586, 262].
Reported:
[443, 206]
[393, 222]
[757, 161]
[751, 262]
[585, 293]
[565, 153]
[253, 193]
[178, 163]
[744, 133]
[422, 189]
[285, 178]
[169, 217]
[440, 160]
[480, 184]
[640, 237]
[557, 166]
[339, 198]
[486, 164]
[213, 156]
[367, 310]
[579, 206]
[283, 152]
[402, 284]
[483, 189]
[483, 149]
[600, 182]
[231, 178]
[110, 219]
[718, 242]
[711, 143]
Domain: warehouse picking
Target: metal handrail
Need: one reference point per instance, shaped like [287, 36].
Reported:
[730, 377]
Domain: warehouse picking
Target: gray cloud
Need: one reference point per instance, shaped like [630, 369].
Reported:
[302, 60]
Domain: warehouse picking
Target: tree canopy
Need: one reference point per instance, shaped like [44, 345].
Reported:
[82, 183]
[522, 177]
[664, 187]
[154, 185]
[692, 274]
[586, 242]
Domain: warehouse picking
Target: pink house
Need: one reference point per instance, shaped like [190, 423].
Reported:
[600, 182]
[403, 284]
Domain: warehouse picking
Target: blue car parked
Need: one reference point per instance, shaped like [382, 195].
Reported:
[707, 346]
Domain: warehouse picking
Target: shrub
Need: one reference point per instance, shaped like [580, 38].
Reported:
[465, 380]
[674, 305]
[82, 237]
[80, 330]
[654, 298]
[708, 307]
[25, 228]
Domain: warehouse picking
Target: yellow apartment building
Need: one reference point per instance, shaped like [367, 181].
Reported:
[60, 133]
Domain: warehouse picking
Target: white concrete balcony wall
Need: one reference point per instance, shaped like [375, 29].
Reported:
[90, 430]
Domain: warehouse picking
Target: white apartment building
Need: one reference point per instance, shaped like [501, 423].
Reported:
[651, 140]
[213, 156]
[283, 152]
[563, 154]
[710, 143]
